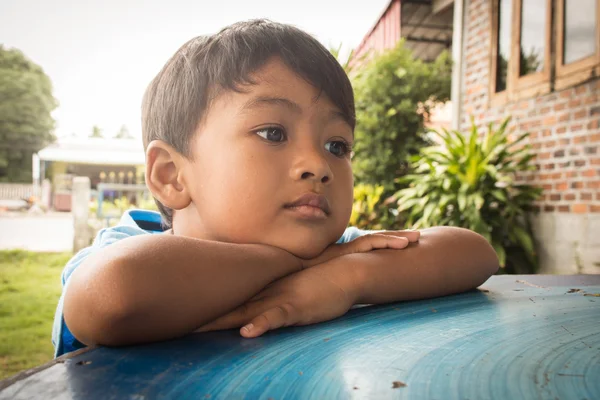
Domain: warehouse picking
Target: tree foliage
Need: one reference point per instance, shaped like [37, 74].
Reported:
[123, 133]
[26, 125]
[96, 132]
[394, 93]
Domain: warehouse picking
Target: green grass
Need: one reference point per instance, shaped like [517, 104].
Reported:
[29, 291]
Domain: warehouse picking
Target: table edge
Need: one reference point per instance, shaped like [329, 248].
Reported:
[5, 383]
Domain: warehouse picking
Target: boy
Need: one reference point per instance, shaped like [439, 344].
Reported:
[248, 135]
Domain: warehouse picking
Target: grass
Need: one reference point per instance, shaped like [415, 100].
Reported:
[29, 291]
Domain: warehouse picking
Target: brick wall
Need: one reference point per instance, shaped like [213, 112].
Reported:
[565, 134]
[564, 125]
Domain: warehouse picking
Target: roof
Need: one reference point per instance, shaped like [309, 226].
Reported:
[427, 31]
[365, 39]
[97, 151]
[425, 25]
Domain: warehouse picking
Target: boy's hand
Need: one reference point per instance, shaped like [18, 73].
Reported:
[366, 243]
[313, 295]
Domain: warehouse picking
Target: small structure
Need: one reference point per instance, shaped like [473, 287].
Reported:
[426, 27]
[119, 161]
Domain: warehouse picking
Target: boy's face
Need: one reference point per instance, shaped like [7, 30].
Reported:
[270, 165]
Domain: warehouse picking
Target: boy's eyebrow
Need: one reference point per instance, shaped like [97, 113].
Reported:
[261, 101]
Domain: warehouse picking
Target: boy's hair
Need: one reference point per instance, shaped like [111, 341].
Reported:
[179, 96]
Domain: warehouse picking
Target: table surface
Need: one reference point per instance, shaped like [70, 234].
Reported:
[534, 337]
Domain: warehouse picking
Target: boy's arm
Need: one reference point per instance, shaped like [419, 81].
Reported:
[446, 260]
[153, 287]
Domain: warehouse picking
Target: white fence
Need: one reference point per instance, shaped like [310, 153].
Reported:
[16, 191]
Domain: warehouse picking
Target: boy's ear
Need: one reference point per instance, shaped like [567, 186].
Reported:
[164, 175]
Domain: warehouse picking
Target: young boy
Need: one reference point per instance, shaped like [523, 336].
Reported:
[248, 135]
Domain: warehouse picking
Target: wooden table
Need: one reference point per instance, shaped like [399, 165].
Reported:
[519, 337]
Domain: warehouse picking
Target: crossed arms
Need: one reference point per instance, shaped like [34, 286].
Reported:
[154, 287]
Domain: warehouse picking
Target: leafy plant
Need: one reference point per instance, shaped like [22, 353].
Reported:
[371, 210]
[119, 205]
[470, 182]
[344, 61]
[394, 92]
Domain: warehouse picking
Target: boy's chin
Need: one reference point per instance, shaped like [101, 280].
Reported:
[307, 252]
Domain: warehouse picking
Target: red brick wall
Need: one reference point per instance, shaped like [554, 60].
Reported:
[564, 125]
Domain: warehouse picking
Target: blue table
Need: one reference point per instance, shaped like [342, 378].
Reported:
[534, 337]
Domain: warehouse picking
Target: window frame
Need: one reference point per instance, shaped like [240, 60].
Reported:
[498, 97]
[568, 75]
[556, 75]
[537, 83]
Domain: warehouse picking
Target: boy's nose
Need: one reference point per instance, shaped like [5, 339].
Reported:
[312, 167]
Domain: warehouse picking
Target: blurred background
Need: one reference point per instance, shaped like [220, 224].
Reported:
[483, 114]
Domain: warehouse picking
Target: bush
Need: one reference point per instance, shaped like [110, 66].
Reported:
[120, 205]
[470, 182]
[370, 210]
[393, 94]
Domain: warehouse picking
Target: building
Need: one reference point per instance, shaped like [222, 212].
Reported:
[101, 160]
[539, 62]
[426, 26]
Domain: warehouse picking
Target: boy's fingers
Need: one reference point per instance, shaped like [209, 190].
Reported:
[233, 319]
[412, 236]
[366, 243]
[377, 241]
[271, 319]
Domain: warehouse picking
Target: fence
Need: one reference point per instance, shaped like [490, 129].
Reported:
[17, 191]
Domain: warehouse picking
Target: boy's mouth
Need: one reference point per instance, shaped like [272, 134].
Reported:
[310, 205]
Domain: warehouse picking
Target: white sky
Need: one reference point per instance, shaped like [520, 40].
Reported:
[101, 55]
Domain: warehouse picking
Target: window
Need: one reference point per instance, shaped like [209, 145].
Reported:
[501, 49]
[534, 18]
[578, 41]
[531, 48]
[526, 53]
[501, 45]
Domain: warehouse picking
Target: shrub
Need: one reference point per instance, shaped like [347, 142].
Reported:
[470, 183]
[393, 95]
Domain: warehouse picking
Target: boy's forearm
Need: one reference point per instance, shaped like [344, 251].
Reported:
[149, 288]
[446, 260]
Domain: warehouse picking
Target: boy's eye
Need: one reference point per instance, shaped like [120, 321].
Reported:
[338, 148]
[271, 133]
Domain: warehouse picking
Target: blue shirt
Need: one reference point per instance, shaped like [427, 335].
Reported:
[133, 223]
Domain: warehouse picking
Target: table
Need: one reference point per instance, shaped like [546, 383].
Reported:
[534, 337]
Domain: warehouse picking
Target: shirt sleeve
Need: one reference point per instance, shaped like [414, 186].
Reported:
[352, 233]
[62, 338]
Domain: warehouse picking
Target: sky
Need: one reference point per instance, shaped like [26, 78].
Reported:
[101, 55]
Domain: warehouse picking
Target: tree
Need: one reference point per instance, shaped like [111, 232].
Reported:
[26, 124]
[394, 93]
[123, 133]
[96, 132]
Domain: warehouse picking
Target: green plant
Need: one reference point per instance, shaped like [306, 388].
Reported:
[394, 92]
[370, 210]
[470, 183]
[343, 61]
[122, 204]
[147, 204]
